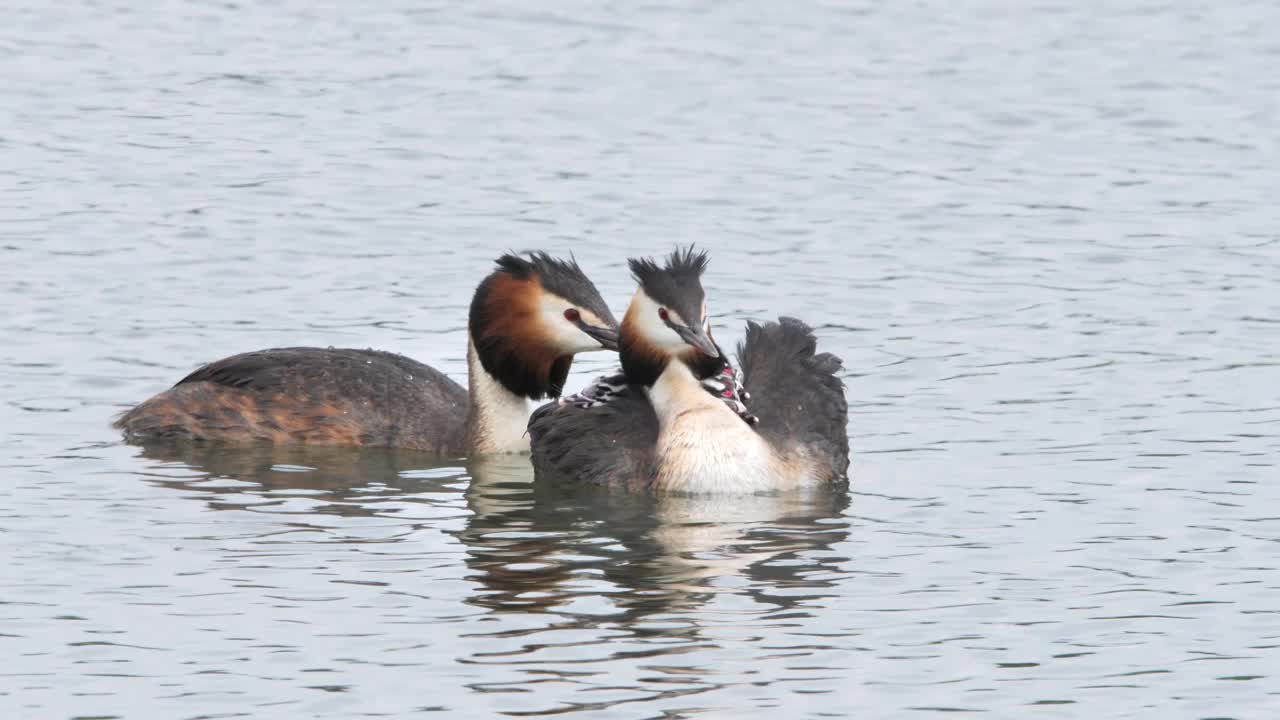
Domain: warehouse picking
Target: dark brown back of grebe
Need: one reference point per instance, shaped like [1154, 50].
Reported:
[314, 396]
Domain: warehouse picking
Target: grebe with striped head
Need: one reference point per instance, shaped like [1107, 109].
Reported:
[528, 319]
[658, 428]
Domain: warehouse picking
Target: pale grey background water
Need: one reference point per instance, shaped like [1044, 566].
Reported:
[1043, 236]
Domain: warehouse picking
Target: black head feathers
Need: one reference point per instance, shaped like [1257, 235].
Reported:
[561, 277]
[678, 285]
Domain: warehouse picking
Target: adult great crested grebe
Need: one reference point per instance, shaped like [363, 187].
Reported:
[661, 430]
[528, 319]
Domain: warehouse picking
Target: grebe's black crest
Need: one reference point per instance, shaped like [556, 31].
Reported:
[678, 285]
[559, 277]
[505, 328]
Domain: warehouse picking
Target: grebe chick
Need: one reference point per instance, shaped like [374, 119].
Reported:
[664, 432]
[528, 319]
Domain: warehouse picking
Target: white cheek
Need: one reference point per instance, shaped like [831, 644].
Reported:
[564, 335]
[657, 331]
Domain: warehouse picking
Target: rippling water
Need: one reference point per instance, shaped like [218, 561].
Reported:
[1043, 236]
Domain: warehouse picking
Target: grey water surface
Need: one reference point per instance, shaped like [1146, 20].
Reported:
[1043, 236]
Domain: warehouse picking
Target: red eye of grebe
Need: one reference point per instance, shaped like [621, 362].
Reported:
[572, 315]
[662, 313]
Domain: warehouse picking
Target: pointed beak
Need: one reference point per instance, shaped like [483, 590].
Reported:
[697, 338]
[607, 337]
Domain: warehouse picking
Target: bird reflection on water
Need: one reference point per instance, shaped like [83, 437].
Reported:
[543, 546]
[581, 552]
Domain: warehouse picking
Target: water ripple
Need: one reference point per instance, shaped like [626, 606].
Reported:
[1046, 253]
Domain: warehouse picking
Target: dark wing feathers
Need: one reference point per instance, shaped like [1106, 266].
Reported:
[608, 444]
[312, 396]
[277, 369]
[795, 390]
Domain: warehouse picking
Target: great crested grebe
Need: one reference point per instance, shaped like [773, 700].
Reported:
[662, 430]
[528, 319]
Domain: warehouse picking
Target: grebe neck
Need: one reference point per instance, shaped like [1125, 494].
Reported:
[498, 418]
[703, 446]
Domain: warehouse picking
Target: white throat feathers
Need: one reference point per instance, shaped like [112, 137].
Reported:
[498, 417]
[705, 447]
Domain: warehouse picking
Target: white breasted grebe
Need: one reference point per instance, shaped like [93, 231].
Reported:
[528, 319]
[661, 430]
